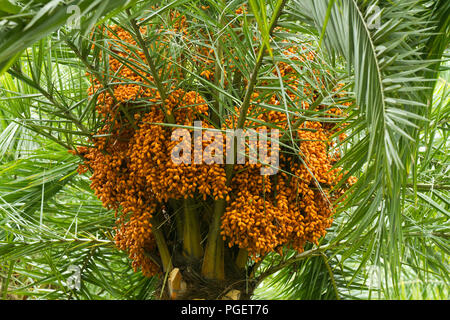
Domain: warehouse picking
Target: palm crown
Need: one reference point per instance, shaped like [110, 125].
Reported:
[353, 88]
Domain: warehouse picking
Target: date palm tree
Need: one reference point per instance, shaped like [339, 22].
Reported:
[382, 63]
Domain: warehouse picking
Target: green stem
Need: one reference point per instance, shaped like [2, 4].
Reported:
[91, 68]
[237, 79]
[254, 76]
[213, 261]
[163, 249]
[428, 187]
[7, 280]
[162, 92]
[216, 112]
[330, 273]
[67, 113]
[248, 93]
[178, 219]
[191, 231]
[241, 259]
